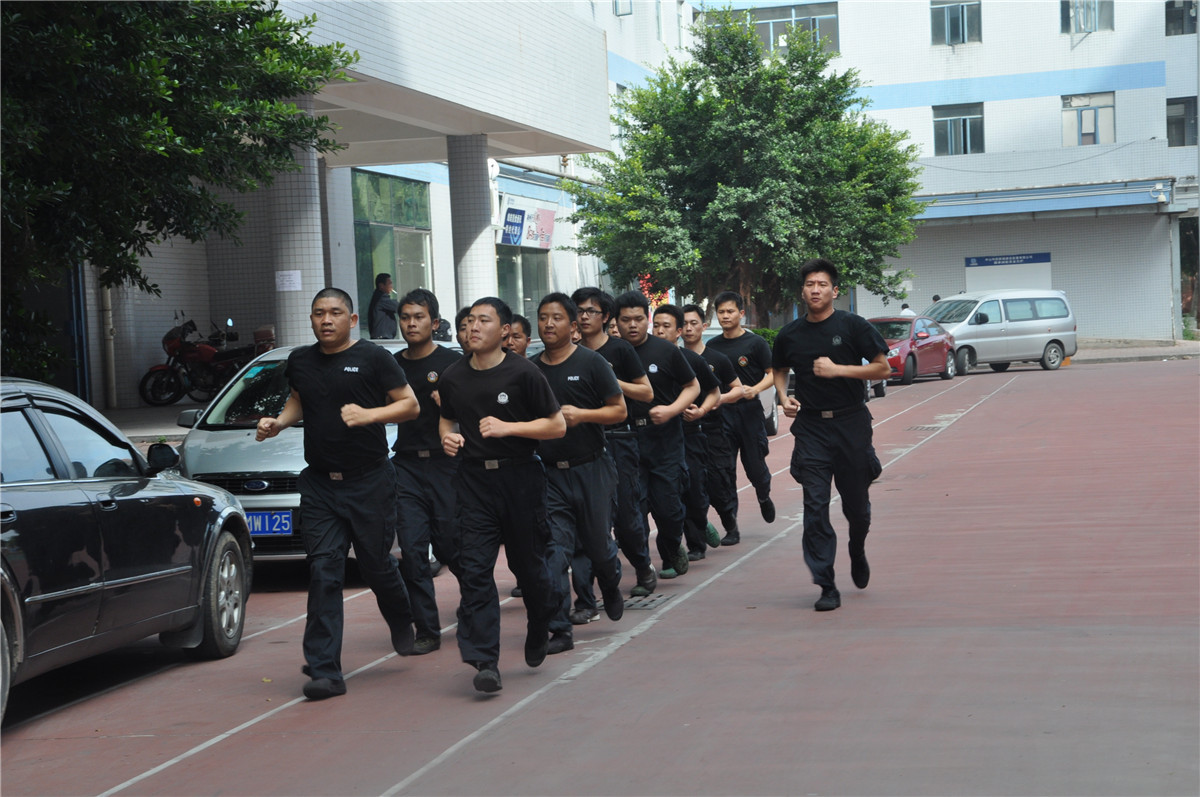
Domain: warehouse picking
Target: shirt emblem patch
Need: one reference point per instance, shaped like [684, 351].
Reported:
[431, 377]
[351, 369]
[653, 368]
[837, 340]
[572, 378]
[502, 398]
[743, 361]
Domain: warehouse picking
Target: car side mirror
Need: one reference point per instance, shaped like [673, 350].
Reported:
[922, 335]
[187, 419]
[981, 318]
[161, 457]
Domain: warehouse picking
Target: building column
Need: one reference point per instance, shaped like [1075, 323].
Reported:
[297, 250]
[471, 218]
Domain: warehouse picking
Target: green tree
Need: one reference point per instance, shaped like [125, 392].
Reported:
[122, 121]
[738, 165]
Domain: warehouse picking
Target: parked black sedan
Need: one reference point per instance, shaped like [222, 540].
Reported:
[102, 546]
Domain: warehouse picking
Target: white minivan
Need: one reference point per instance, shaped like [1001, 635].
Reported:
[1012, 326]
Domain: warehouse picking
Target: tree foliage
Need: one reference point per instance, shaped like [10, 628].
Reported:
[737, 165]
[123, 120]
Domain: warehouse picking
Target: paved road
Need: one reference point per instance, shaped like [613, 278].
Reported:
[1032, 627]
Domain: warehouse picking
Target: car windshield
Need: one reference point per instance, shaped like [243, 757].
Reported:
[893, 330]
[951, 311]
[258, 392]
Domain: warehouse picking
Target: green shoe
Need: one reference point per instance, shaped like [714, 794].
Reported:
[681, 560]
[712, 536]
[668, 573]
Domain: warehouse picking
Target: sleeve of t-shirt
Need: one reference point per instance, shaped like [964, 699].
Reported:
[867, 339]
[446, 391]
[779, 353]
[680, 371]
[542, 402]
[762, 352]
[723, 368]
[630, 365]
[705, 376]
[604, 378]
[390, 374]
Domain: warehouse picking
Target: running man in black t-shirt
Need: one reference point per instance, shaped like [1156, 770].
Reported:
[832, 427]
[345, 391]
[579, 476]
[751, 358]
[697, 531]
[721, 468]
[660, 428]
[503, 406]
[424, 502]
[629, 526]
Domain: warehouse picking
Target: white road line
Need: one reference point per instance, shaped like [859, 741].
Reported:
[618, 641]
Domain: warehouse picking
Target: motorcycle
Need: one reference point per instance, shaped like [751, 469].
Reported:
[198, 366]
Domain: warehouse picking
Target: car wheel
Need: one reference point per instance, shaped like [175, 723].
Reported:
[910, 371]
[1052, 357]
[160, 388]
[224, 603]
[948, 373]
[771, 421]
[999, 367]
[963, 360]
[881, 388]
[5, 668]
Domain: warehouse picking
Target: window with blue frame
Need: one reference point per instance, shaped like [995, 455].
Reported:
[1085, 16]
[1088, 119]
[955, 22]
[958, 129]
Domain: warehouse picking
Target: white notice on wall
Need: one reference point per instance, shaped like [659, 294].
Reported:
[287, 281]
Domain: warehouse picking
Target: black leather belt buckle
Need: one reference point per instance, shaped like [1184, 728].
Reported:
[641, 421]
[491, 464]
[827, 413]
[424, 454]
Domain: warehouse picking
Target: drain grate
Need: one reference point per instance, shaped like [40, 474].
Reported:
[924, 428]
[648, 602]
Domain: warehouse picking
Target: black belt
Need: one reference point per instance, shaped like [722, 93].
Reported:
[692, 428]
[641, 422]
[496, 464]
[620, 433]
[352, 473]
[839, 412]
[563, 464]
[423, 453]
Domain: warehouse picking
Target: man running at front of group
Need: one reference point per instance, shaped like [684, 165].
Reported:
[751, 358]
[580, 478]
[502, 406]
[424, 505]
[832, 427]
[659, 427]
[345, 391]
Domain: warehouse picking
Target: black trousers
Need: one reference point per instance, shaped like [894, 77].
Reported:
[333, 516]
[695, 493]
[660, 455]
[579, 501]
[721, 471]
[506, 506]
[748, 434]
[838, 450]
[424, 517]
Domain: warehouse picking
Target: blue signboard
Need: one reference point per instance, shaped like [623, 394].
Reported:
[1008, 260]
[514, 227]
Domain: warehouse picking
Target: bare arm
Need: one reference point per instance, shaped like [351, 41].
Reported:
[549, 428]
[402, 407]
[452, 441]
[734, 393]
[752, 391]
[665, 412]
[291, 414]
[788, 403]
[711, 399]
[878, 368]
[638, 390]
[613, 411]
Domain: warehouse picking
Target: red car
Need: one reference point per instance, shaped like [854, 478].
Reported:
[917, 346]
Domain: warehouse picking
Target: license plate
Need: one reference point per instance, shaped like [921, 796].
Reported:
[270, 523]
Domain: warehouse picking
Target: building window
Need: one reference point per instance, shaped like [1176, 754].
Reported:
[391, 232]
[1181, 17]
[1085, 16]
[818, 19]
[958, 129]
[955, 22]
[523, 276]
[1181, 122]
[622, 8]
[1088, 119]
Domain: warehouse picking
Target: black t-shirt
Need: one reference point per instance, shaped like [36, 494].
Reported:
[514, 390]
[704, 375]
[584, 380]
[626, 365]
[749, 353]
[845, 338]
[668, 371]
[722, 369]
[421, 433]
[363, 374]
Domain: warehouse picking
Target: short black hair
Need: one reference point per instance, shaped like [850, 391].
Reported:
[605, 300]
[523, 323]
[566, 302]
[903, 306]
[673, 311]
[730, 296]
[693, 308]
[819, 264]
[460, 315]
[334, 293]
[382, 278]
[503, 311]
[423, 297]
[632, 299]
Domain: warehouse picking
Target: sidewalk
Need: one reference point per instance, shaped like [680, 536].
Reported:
[155, 424]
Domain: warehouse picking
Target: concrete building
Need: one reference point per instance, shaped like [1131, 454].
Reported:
[1058, 143]
[461, 118]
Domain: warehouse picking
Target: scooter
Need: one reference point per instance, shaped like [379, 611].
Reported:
[198, 367]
